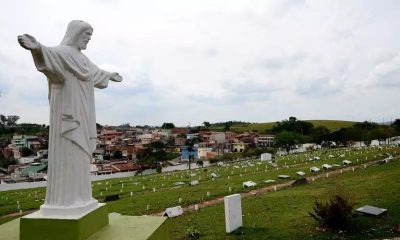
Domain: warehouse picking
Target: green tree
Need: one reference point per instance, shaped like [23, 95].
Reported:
[207, 124]
[117, 155]
[287, 139]
[153, 154]
[396, 125]
[227, 126]
[189, 143]
[5, 162]
[12, 120]
[99, 126]
[25, 152]
[168, 126]
[200, 163]
[157, 145]
[294, 125]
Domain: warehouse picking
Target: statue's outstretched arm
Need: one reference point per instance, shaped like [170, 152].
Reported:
[115, 77]
[28, 42]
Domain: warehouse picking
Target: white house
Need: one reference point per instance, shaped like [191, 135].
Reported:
[26, 160]
[374, 143]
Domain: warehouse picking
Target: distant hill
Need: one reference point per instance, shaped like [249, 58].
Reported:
[332, 125]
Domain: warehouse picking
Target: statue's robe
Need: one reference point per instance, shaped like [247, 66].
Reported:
[72, 137]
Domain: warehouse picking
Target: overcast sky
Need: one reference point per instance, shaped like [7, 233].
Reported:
[193, 61]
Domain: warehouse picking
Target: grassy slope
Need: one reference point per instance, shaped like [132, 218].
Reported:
[167, 196]
[332, 125]
[284, 214]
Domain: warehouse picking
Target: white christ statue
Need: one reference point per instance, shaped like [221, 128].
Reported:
[72, 138]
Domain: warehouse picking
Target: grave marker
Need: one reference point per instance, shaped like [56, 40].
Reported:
[173, 212]
[233, 212]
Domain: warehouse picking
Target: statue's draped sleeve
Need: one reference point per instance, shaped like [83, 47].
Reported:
[101, 77]
[49, 61]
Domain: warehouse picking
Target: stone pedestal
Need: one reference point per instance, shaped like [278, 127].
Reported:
[120, 227]
[37, 226]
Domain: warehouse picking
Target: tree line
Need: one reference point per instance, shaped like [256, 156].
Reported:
[293, 131]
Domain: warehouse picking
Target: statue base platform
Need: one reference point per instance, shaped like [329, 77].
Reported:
[120, 227]
[36, 226]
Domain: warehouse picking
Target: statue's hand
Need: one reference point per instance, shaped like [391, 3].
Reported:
[116, 77]
[28, 42]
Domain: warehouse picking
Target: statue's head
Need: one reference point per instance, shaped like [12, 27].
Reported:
[78, 34]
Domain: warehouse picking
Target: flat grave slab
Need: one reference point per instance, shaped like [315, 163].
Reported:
[283, 176]
[249, 184]
[370, 210]
[173, 211]
[300, 173]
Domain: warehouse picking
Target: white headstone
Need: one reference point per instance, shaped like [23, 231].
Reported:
[174, 211]
[233, 212]
[194, 182]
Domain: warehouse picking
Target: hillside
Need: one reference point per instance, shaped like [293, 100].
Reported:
[332, 125]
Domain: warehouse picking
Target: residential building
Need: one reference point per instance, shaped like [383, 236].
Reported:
[239, 146]
[185, 153]
[265, 140]
[218, 137]
[26, 160]
[202, 152]
[19, 141]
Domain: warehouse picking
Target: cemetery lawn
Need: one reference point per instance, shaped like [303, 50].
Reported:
[273, 215]
[284, 214]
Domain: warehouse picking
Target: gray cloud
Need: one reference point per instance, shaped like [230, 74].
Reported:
[189, 61]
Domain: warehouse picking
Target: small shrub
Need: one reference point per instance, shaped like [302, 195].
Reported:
[192, 233]
[335, 214]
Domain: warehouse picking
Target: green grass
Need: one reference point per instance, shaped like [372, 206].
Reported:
[332, 125]
[167, 194]
[284, 214]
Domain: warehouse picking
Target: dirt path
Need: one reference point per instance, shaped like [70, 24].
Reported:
[17, 214]
[276, 187]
